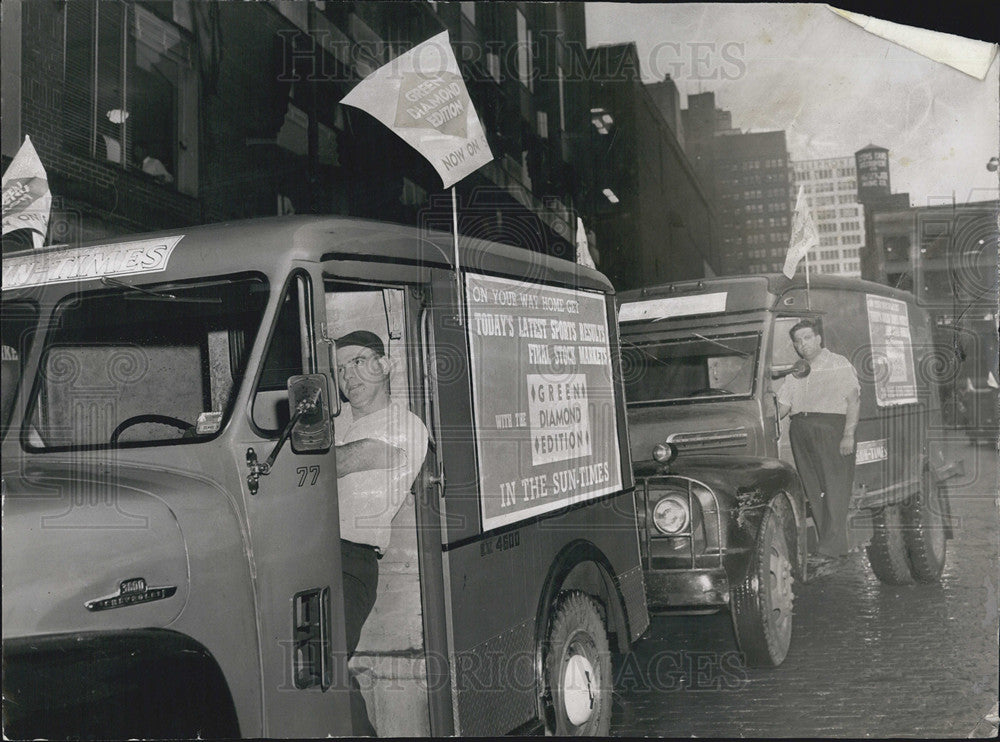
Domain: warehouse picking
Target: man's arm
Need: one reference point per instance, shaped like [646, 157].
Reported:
[784, 397]
[851, 422]
[367, 454]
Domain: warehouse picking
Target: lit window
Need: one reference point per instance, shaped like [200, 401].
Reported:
[601, 119]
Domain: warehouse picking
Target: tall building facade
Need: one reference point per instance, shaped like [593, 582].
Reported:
[830, 186]
[749, 182]
[239, 105]
[653, 219]
[752, 187]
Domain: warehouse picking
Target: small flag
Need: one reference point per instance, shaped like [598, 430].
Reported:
[803, 236]
[26, 196]
[422, 97]
[583, 256]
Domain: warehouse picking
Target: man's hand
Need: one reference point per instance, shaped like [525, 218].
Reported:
[847, 445]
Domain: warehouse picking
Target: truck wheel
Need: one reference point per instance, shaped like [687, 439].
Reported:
[887, 550]
[762, 604]
[924, 533]
[578, 669]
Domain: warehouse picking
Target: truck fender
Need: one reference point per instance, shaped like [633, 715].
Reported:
[751, 508]
[139, 683]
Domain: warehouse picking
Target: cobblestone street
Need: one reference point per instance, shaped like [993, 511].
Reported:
[867, 659]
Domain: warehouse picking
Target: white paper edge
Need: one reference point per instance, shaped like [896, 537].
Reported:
[966, 55]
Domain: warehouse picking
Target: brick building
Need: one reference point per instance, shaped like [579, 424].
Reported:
[238, 103]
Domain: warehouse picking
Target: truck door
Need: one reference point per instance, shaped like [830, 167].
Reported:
[391, 660]
[294, 541]
[782, 356]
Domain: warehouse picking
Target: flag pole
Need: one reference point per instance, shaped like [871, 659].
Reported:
[808, 300]
[458, 272]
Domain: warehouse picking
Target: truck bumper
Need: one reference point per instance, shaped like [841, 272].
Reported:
[674, 589]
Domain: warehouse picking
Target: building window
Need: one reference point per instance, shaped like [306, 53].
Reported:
[136, 104]
[543, 124]
[897, 247]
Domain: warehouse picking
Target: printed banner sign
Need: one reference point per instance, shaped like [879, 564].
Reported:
[543, 397]
[673, 306]
[422, 97]
[82, 263]
[892, 351]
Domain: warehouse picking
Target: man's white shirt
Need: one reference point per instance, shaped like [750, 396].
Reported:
[370, 499]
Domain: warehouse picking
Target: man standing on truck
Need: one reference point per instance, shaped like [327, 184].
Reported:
[380, 448]
[824, 406]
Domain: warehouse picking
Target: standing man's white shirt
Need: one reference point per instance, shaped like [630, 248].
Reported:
[831, 382]
[370, 499]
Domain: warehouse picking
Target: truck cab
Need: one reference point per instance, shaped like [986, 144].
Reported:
[170, 483]
[724, 519]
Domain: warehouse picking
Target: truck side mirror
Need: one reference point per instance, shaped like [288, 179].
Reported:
[309, 404]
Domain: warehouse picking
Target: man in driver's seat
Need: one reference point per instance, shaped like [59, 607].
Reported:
[380, 448]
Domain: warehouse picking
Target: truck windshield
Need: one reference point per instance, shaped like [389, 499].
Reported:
[144, 365]
[694, 367]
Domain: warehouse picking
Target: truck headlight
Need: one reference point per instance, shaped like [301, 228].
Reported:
[671, 516]
[664, 453]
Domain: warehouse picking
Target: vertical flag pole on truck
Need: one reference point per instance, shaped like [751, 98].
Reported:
[458, 272]
[808, 302]
[422, 98]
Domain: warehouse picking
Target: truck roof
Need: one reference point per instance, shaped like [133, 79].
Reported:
[744, 293]
[211, 250]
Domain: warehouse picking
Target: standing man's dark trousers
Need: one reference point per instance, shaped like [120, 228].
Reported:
[827, 475]
[359, 565]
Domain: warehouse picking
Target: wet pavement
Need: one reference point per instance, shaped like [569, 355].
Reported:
[867, 659]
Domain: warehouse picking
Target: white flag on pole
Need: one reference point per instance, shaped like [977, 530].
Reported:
[583, 256]
[804, 236]
[422, 97]
[27, 200]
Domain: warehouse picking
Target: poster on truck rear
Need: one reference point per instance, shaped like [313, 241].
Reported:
[892, 351]
[543, 396]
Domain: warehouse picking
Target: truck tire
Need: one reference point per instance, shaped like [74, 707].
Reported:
[924, 532]
[887, 550]
[762, 605]
[578, 669]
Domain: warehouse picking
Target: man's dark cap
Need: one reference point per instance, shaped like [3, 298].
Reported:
[363, 339]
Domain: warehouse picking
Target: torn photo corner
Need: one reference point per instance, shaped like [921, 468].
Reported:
[966, 55]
